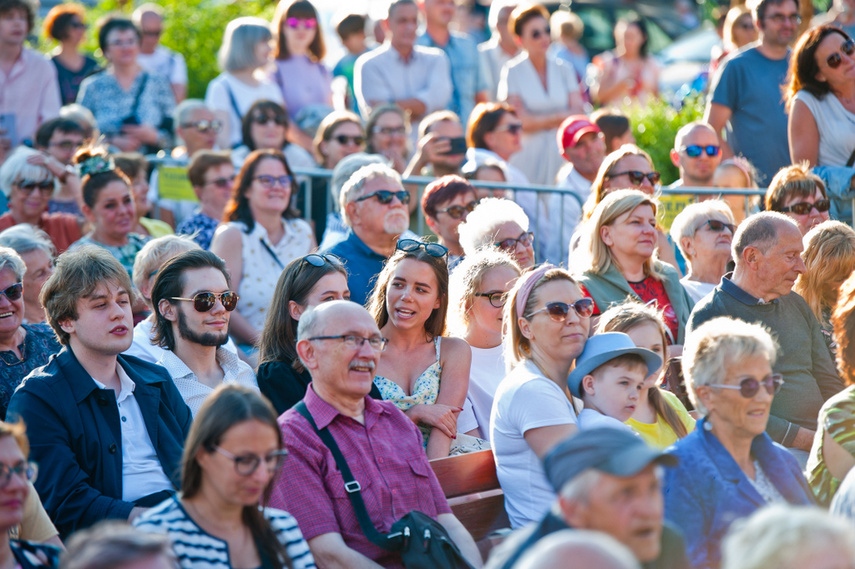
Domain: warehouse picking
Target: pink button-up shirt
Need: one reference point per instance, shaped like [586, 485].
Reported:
[30, 91]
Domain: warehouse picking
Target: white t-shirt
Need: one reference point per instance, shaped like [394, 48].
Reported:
[485, 375]
[165, 62]
[592, 419]
[525, 400]
[697, 290]
[225, 92]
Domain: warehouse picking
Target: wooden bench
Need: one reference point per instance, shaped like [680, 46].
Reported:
[472, 488]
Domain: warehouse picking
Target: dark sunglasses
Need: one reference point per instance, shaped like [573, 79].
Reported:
[558, 311]
[30, 187]
[13, 292]
[204, 301]
[317, 260]
[385, 196]
[526, 239]
[835, 59]
[432, 249]
[537, 33]
[637, 178]
[204, 126]
[343, 139]
[749, 386]
[308, 23]
[718, 226]
[458, 211]
[222, 182]
[694, 150]
[267, 119]
[514, 128]
[497, 299]
[803, 208]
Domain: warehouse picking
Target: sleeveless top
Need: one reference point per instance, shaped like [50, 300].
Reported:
[836, 127]
[425, 390]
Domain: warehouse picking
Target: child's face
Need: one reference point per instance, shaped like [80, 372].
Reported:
[649, 336]
[729, 177]
[355, 43]
[614, 390]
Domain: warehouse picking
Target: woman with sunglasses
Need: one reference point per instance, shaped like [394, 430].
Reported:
[446, 202]
[36, 250]
[616, 259]
[478, 289]
[425, 374]
[800, 194]
[728, 466]
[703, 232]
[497, 222]
[262, 234]
[547, 322]
[66, 24]
[266, 126]
[231, 457]
[820, 98]
[494, 133]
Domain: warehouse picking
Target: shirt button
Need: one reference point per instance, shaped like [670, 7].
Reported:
[124, 419]
[113, 448]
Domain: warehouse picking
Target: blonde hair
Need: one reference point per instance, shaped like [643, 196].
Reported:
[466, 279]
[829, 258]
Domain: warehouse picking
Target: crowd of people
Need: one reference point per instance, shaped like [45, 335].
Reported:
[655, 392]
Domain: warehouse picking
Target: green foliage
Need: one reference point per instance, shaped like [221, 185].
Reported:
[655, 125]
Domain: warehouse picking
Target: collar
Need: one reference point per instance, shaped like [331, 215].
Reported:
[361, 247]
[324, 414]
[125, 382]
[727, 285]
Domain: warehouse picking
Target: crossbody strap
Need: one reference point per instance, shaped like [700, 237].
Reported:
[851, 159]
[139, 94]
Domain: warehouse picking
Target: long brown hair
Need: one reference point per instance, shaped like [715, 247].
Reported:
[238, 207]
[803, 65]
[297, 9]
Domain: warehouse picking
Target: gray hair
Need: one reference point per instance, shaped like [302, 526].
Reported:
[719, 344]
[479, 229]
[113, 544]
[346, 168]
[9, 259]
[352, 189]
[156, 252]
[584, 548]
[24, 238]
[781, 536]
[239, 40]
[185, 110]
[759, 231]
[688, 221]
[578, 488]
[17, 169]
[686, 129]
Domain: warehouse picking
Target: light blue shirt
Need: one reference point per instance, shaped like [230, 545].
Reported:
[467, 78]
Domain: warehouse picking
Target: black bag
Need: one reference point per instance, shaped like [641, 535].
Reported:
[422, 541]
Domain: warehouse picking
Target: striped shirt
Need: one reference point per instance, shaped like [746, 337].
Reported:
[197, 549]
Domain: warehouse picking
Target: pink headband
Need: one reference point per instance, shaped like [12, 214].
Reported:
[742, 165]
[529, 280]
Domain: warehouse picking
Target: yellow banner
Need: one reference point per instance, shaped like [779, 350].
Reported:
[670, 206]
[172, 183]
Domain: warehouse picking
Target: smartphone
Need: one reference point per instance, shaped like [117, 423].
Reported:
[458, 146]
[7, 126]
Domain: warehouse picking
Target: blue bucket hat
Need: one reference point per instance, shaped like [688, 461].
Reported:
[602, 348]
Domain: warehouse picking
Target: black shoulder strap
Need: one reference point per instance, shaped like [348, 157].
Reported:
[139, 94]
[351, 486]
[851, 159]
[233, 101]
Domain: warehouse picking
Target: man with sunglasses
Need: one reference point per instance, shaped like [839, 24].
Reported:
[767, 248]
[696, 154]
[110, 428]
[192, 300]
[154, 57]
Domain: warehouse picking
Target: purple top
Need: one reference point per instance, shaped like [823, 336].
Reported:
[303, 83]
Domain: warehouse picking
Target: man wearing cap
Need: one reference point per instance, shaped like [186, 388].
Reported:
[697, 154]
[607, 480]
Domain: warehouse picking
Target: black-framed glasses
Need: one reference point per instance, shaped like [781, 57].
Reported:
[385, 196]
[558, 311]
[247, 464]
[513, 128]
[343, 139]
[24, 470]
[321, 259]
[270, 181]
[222, 182]
[525, 239]
[432, 249]
[835, 59]
[695, 150]
[267, 119]
[779, 19]
[497, 298]
[637, 178]
[718, 226]
[353, 341]
[458, 211]
[29, 187]
[204, 301]
[13, 292]
[749, 387]
[803, 208]
[204, 125]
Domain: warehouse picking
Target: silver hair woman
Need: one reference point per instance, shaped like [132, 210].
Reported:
[37, 251]
[499, 222]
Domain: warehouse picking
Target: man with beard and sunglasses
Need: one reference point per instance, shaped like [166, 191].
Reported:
[767, 251]
[192, 302]
[374, 207]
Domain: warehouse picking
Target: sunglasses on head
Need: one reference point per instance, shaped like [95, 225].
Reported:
[308, 23]
[803, 208]
[525, 239]
[637, 178]
[267, 119]
[458, 211]
[204, 126]
[204, 301]
[749, 386]
[343, 139]
[695, 150]
[13, 292]
[29, 187]
[718, 226]
[385, 196]
[835, 59]
[432, 249]
[319, 260]
[558, 311]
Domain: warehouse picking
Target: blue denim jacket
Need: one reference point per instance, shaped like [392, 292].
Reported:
[838, 181]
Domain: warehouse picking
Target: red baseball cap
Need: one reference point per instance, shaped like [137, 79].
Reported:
[572, 129]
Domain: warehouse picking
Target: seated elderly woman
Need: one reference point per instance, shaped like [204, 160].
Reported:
[36, 250]
[703, 232]
[799, 194]
[23, 347]
[829, 258]
[502, 223]
[729, 467]
[446, 203]
[616, 259]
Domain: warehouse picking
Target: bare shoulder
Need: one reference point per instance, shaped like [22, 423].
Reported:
[453, 348]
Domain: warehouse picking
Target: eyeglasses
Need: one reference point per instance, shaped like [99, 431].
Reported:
[204, 126]
[745, 25]
[458, 211]
[247, 464]
[779, 19]
[78, 25]
[803, 208]
[13, 292]
[267, 119]
[270, 181]
[749, 386]
[66, 144]
[307, 23]
[29, 187]
[152, 33]
[385, 196]
[513, 128]
[497, 299]
[317, 260]
[525, 239]
[432, 249]
[718, 226]
[355, 342]
[558, 311]
[694, 150]
[537, 33]
[24, 470]
[390, 130]
[636, 177]
[835, 59]
[204, 301]
[343, 139]
[222, 182]
[124, 43]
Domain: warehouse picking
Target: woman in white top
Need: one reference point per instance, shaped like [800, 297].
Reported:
[547, 321]
[478, 289]
[821, 98]
[242, 58]
[263, 234]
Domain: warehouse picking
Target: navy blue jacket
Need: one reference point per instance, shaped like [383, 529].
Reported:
[76, 436]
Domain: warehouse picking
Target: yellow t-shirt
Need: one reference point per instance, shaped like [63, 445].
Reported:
[660, 434]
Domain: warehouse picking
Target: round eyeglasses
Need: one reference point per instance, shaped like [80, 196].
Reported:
[497, 298]
[204, 301]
